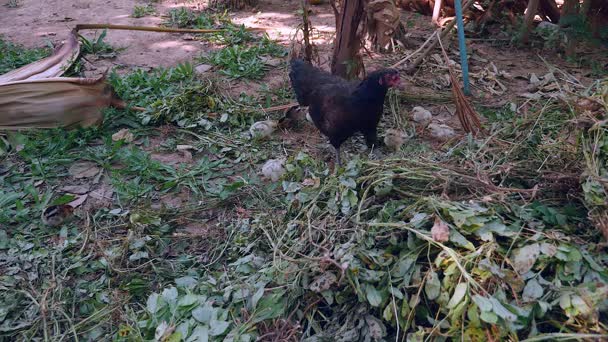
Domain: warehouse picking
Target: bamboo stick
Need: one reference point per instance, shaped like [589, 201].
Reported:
[154, 28]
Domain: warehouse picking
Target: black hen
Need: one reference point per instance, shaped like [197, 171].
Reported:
[340, 108]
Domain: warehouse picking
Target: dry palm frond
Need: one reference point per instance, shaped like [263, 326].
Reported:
[54, 102]
[52, 66]
[468, 117]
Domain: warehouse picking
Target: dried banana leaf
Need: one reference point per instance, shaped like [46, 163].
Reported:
[52, 66]
[54, 102]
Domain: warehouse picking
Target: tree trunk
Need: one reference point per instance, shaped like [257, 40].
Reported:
[346, 61]
[529, 20]
[570, 8]
[436, 10]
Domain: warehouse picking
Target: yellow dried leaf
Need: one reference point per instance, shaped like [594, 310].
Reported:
[123, 134]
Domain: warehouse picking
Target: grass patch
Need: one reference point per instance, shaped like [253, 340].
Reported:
[14, 56]
[98, 46]
[142, 11]
[238, 61]
[241, 52]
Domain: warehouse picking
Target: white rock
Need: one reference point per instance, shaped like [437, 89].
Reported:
[394, 138]
[203, 68]
[273, 169]
[421, 116]
[274, 62]
[441, 131]
[262, 129]
[534, 79]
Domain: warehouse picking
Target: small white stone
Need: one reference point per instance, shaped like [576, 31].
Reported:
[203, 68]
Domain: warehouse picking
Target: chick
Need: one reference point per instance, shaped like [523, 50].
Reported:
[421, 116]
[56, 214]
[294, 117]
[394, 138]
[273, 169]
[262, 129]
[441, 131]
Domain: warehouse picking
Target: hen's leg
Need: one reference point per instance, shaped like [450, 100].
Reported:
[371, 137]
[338, 163]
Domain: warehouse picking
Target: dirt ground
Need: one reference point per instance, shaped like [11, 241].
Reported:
[35, 23]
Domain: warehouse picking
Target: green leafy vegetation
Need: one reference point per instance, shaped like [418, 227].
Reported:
[15, 56]
[142, 11]
[98, 46]
[241, 54]
[237, 61]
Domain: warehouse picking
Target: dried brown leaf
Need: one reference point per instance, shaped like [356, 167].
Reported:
[78, 201]
[123, 134]
[76, 189]
[84, 169]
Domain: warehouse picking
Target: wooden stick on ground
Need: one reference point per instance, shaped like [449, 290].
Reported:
[154, 28]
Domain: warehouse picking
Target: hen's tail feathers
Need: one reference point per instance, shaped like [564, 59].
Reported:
[300, 76]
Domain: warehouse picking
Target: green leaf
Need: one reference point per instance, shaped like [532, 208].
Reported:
[432, 287]
[187, 300]
[501, 311]
[200, 334]
[270, 306]
[458, 296]
[483, 303]
[175, 337]
[373, 296]
[204, 314]
[389, 311]
[460, 240]
[218, 327]
[532, 290]
[564, 301]
[256, 297]
[488, 317]
[170, 295]
[186, 282]
[64, 199]
[152, 303]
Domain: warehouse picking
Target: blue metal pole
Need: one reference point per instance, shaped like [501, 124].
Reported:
[462, 47]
